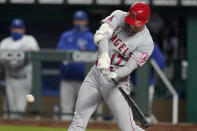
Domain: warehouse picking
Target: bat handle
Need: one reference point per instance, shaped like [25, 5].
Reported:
[116, 83]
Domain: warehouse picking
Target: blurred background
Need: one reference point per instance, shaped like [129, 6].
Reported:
[172, 25]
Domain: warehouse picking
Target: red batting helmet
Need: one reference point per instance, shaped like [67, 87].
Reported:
[139, 14]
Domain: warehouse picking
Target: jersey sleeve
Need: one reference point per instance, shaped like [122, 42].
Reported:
[33, 44]
[63, 42]
[60, 44]
[142, 53]
[2, 44]
[115, 19]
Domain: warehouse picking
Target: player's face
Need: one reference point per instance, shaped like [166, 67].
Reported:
[18, 30]
[136, 29]
[81, 22]
[80, 25]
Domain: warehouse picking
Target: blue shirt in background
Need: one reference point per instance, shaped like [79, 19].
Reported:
[157, 55]
[75, 41]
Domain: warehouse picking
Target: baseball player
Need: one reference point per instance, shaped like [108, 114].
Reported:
[18, 73]
[79, 38]
[124, 44]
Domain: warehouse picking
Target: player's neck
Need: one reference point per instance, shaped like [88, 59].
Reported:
[138, 29]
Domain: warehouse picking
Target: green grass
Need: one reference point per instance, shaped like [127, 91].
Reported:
[26, 128]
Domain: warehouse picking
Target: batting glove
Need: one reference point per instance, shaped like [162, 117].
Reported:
[104, 61]
[110, 75]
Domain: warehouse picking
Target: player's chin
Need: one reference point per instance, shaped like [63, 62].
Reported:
[136, 28]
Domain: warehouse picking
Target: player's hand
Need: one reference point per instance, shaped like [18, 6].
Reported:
[104, 61]
[109, 75]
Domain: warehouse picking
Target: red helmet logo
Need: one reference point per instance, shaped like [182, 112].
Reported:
[139, 14]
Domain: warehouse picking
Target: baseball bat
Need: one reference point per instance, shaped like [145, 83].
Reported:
[133, 106]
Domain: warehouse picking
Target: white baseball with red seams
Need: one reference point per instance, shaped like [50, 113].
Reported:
[123, 47]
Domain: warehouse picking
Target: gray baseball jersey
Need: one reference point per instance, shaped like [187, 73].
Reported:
[124, 46]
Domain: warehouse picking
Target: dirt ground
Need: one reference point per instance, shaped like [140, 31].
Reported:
[96, 125]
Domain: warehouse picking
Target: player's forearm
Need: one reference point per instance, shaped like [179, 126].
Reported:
[104, 33]
[126, 70]
[101, 39]
[103, 46]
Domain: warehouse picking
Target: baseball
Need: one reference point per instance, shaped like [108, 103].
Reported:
[30, 98]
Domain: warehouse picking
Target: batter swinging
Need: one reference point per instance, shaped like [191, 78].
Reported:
[124, 43]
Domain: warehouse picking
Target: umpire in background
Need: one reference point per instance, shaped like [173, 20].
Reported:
[79, 38]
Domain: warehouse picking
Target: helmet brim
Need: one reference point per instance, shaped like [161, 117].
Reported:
[134, 22]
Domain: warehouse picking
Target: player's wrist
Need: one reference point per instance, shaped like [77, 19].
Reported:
[104, 61]
[104, 54]
[111, 76]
